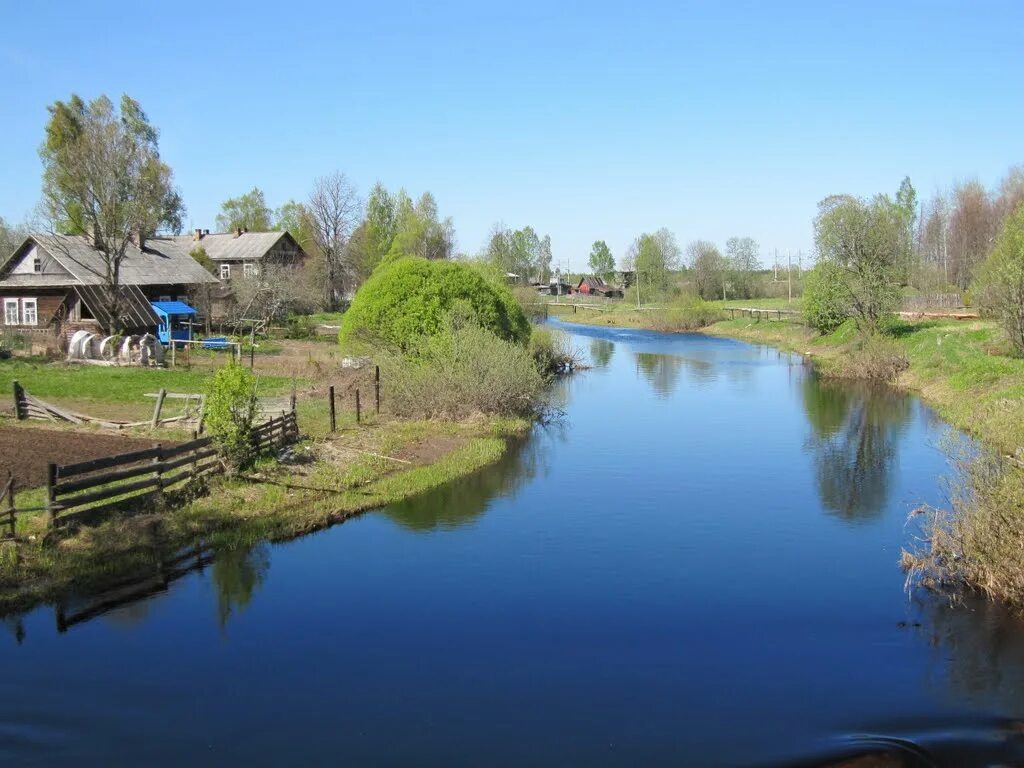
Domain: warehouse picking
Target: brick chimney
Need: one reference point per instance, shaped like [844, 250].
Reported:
[198, 235]
[238, 231]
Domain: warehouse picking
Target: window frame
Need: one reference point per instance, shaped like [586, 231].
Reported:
[8, 303]
[250, 270]
[225, 271]
[25, 304]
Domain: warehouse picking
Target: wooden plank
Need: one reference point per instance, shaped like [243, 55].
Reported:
[190, 458]
[108, 493]
[192, 445]
[94, 465]
[94, 481]
[175, 395]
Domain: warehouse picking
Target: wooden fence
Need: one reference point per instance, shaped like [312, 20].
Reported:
[88, 486]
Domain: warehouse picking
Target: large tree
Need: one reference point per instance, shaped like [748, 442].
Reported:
[861, 240]
[10, 238]
[741, 257]
[708, 267]
[1000, 282]
[249, 211]
[653, 256]
[103, 178]
[601, 261]
[332, 212]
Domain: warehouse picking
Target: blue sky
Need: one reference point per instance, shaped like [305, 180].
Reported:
[583, 120]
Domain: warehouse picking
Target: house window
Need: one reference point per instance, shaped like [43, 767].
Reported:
[225, 271]
[37, 264]
[250, 270]
[10, 311]
[29, 316]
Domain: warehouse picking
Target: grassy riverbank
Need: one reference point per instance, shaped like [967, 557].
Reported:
[962, 368]
[357, 469]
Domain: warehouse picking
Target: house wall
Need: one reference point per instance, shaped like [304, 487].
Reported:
[48, 305]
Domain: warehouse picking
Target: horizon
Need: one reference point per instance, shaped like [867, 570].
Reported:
[600, 125]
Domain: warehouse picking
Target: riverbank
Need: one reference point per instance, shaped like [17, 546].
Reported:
[324, 479]
[962, 368]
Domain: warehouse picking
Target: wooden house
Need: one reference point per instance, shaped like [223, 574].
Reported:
[244, 254]
[596, 286]
[53, 285]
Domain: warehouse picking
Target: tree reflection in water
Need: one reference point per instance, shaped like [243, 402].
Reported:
[237, 574]
[854, 433]
[601, 351]
[462, 501]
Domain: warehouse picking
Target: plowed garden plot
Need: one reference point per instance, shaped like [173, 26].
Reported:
[25, 451]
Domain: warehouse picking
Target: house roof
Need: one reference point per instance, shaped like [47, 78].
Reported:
[221, 246]
[594, 282]
[163, 261]
[135, 309]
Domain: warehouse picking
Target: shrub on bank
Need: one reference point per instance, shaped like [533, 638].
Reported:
[825, 301]
[409, 299]
[685, 315]
[231, 411]
[463, 371]
[872, 357]
[551, 352]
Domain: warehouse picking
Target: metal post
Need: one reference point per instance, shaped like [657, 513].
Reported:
[334, 421]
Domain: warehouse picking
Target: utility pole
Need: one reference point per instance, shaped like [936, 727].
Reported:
[789, 272]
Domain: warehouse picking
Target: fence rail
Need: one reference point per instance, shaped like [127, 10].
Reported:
[97, 484]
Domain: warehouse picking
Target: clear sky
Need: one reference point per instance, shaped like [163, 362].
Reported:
[584, 121]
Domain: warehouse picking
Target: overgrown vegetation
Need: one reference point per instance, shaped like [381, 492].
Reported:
[231, 410]
[410, 299]
[687, 314]
[462, 371]
[999, 286]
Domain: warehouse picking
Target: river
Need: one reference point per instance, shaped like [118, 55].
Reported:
[696, 565]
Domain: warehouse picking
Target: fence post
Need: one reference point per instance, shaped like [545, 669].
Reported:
[158, 465]
[334, 422]
[376, 388]
[10, 501]
[19, 394]
[358, 417]
[158, 407]
[292, 401]
[51, 493]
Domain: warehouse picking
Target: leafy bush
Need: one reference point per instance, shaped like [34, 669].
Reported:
[825, 301]
[551, 352]
[410, 298]
[300, 327]
[999, 287]
[231, 413]
[688, 314]
[462, 371]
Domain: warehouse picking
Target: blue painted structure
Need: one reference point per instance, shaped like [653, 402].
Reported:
[172, 325]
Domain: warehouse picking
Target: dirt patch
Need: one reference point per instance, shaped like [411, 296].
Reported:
[25, 451]
[430, 449]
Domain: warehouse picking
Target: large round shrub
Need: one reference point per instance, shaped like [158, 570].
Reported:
[409, 298]
[826, 300]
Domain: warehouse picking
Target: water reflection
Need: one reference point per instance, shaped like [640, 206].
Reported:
[237, 574]
[461, 502]
[855, 431]
[661, 371]
[601, 351]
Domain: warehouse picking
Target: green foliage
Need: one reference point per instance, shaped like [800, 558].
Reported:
[551, 352]
[863, 241]
[231, 411]
[519, 252]
[203, 258]
[601, 261]
[687, 314]
[248, 211]
[410, 298]
[462, 371]
[999, 286]
[653, 257]
[293, 217]
[300, 327]
[742, 266]
[825, 299]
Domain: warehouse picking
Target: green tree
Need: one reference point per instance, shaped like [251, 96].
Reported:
[742, 264]
[411, 298]
[601, 261]
[861, 240]
[906, 209]
[653, 256]
[293, 218]
[1000, 282]
[248, 211]
[544, 259]
[231, 412]
[825, 297]
[708, 267]
[103, 178]
[10, 238]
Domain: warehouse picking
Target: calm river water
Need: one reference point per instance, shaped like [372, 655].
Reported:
[697, 566]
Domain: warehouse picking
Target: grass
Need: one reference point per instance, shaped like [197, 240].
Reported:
[271, 503]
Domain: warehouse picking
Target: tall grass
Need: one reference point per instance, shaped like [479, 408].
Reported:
[686, 314]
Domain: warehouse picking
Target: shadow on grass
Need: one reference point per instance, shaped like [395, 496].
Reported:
[900, 328]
